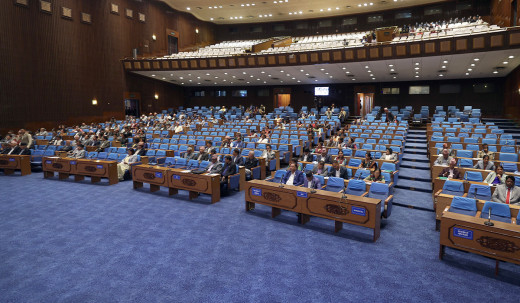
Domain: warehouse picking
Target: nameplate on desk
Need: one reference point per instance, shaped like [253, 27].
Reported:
[176, 177]
[99, 166]
[256, 192]
[73, 163]
[158, 175]
[360, 211]
[48, 162]
[12, 159]
[463, 233]
[301, 194]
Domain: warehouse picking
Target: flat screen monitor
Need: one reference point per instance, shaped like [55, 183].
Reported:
[321, 91]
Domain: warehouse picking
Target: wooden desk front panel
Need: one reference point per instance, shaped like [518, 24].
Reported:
[150, 174]
[60, 165]
[501, 241]
[102, 169]
[197, 183]
[270, 194]
[14, 161]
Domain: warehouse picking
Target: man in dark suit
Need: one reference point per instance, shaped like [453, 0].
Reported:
[311, 181]
[228, 169]
[307, 156]
[203, 156]
[13, 150]
[325, 157]
[387, 116]
[338, 171]
[23, 149]
[293, 176]
[450, 172]
[237, 158]
[141, 151]
[238, 143]
[190, 155]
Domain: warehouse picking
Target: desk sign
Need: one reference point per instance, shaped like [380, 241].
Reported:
[176, 177]
[12, 159]
[99, 166]
[158, 175]
[72, 162]
[48, 162]
[301, 194]
[360, 211]
[256, 191]
[463, 233]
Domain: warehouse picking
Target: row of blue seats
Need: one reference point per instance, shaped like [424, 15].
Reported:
[468, 206]
[509, 167]
[475, 138]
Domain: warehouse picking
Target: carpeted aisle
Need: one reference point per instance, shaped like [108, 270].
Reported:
[78, 242]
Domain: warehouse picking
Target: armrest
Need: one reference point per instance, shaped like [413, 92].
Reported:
[438, 193]
[389, 198]
[365, 194]
[447, 208]
[323, 187]
[465, 195]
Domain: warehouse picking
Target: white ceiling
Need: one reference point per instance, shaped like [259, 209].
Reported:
[249, 11]
[356, 72]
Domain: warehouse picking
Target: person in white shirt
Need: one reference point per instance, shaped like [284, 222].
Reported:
[389, 155]
[124, 165]
[444, 159]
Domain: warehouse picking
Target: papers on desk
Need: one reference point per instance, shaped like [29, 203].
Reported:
[186, 171]
[213, 175]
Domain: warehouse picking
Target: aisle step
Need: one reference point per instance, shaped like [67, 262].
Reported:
[413, 161]
[415, 173]
[415, 151]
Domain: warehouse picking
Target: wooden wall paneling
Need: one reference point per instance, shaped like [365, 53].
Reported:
[222, 62]
[314, 57]
[325, 56]
[514, 38]
[271, 60]
[478, 42]
[184, 64]
[374, 52]
[251, 61]
[231, 62]
[261, 60]
[175, 64]
[429, 48]
[461, 44]
[445, 46]
[415, 49]
[400, 50]
[282, 60]
[292, 59]
[241, 62]
[303, 58]
[147, 65]
[203, 63]
[497, 40]
[165, 64]
[361, 54]
[212, 63]
[387, 51]
[336, 55]
[156, 65]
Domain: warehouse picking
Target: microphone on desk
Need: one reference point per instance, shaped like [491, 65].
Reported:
[281, 182]
[344, 196]
[488, 222]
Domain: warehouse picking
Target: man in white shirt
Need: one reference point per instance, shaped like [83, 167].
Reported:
[293, 176]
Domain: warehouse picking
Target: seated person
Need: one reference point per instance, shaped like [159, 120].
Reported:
[78, 152]
[238, 143]
[5, 148]
[104, 143]
[209, 147]
[338, 171]
[190, 155]
[485, 164]
[13, 149]
[293, 176]
[214, 167]
[68, 146]
[250, 162]
[389, 155]
[226, 142]
[496, 177]
[263, 139]
[141, 150]
[237, 158]
[124, 165]
[307, 156]
[325, 157]
[368, 162]
[23, 149]
[375, 176]
[444, 159]
[341, 158]
[485, 151]
[350, 144]
[311, 182]
[268, 153]
[320, 148]
[451, 152]
[228, 169]
[203, 155]
[320, 169]
[450, 172]
[507, 193]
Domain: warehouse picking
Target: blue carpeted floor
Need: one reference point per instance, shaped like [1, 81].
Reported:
[76, 242]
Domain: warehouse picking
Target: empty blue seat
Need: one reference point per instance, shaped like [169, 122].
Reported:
[334, 184]
[480, 192]
[362, 174]
[465, 153]
[508, 157]
[510, 167]
[354, 162]
[464, 206]
[474, 176]
[453, 188]
[277, 176]
[356, 187]
[466, 163]
[382, 191]
[499, 211]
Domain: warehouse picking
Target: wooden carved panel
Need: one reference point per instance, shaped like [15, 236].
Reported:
[165, 64]
[314, 57]
[336, 55]
[461, 44]
[497, 41]
[271, 60]
[292, 59]
[478, 42]
[261, 61]
[415, 49]
[374, 52]
[361, 53]
[242, 61]
[137, 65]
[429, 47]
[400, 50]
[282, 59]
[303, 58]
[349, 55]
[445, 46]
[212, 63]
[387, 51]
[514, 39]
[146, 65]
[251, 61]
[325, 56]
[156, 65]
[128, 65]
[194, 64]
[175, 64]
[203, 63]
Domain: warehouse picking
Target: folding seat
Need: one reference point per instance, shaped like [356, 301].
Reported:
[180, 163]
[464, 206]
[360, 154]
[309, 167]
[510, 167]
[382, 191]
[472, 147]
[367, 146]
[334, 184]
[354, 162]
[169, 161]
[356, 188]
[453, 188]
[499, 211]
[507, 142]
[480, 192]
[474, 176]
[507, 149]
[465, 163]
[465, 153]
[361, 174]
[91, 155]
[121, 157]
[508, 157]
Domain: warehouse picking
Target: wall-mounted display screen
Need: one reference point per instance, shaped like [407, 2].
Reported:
[321, 91]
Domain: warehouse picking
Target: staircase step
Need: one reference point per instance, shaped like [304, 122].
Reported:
[412, 161]
[416, 165]
[413, 199]
[415, 178]
[415, 151]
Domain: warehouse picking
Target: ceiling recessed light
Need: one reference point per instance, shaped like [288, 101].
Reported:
[444, 66]
[153, 75]
[417, 68]
[467, 74]
[391, 65]
[188, 8]
[366, 66]
[472, 64]
[416, 63]
[476, 59]
[511, 57]
[445, 61]
[505, 62]
[416, 76]
[470, 69]
[495, 72]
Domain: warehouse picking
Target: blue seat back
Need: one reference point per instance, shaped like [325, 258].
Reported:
[465, 206]
[335, 184]
[362, 173]
[454, 188]
[356, 187]
[499, 211]
[475, 176]
[387, 166]
[479, 191]
[278, 176]
[379, 191]
[354, 162]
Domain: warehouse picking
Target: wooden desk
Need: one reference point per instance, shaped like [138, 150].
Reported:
[79, 168]
[354, 210]
[467, 233]
[10, 163]
[175, 179]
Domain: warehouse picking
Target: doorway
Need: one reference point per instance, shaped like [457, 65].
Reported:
[514, 12]
[173, 45]
[282, 100]
[364, 103]
[132, 107]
